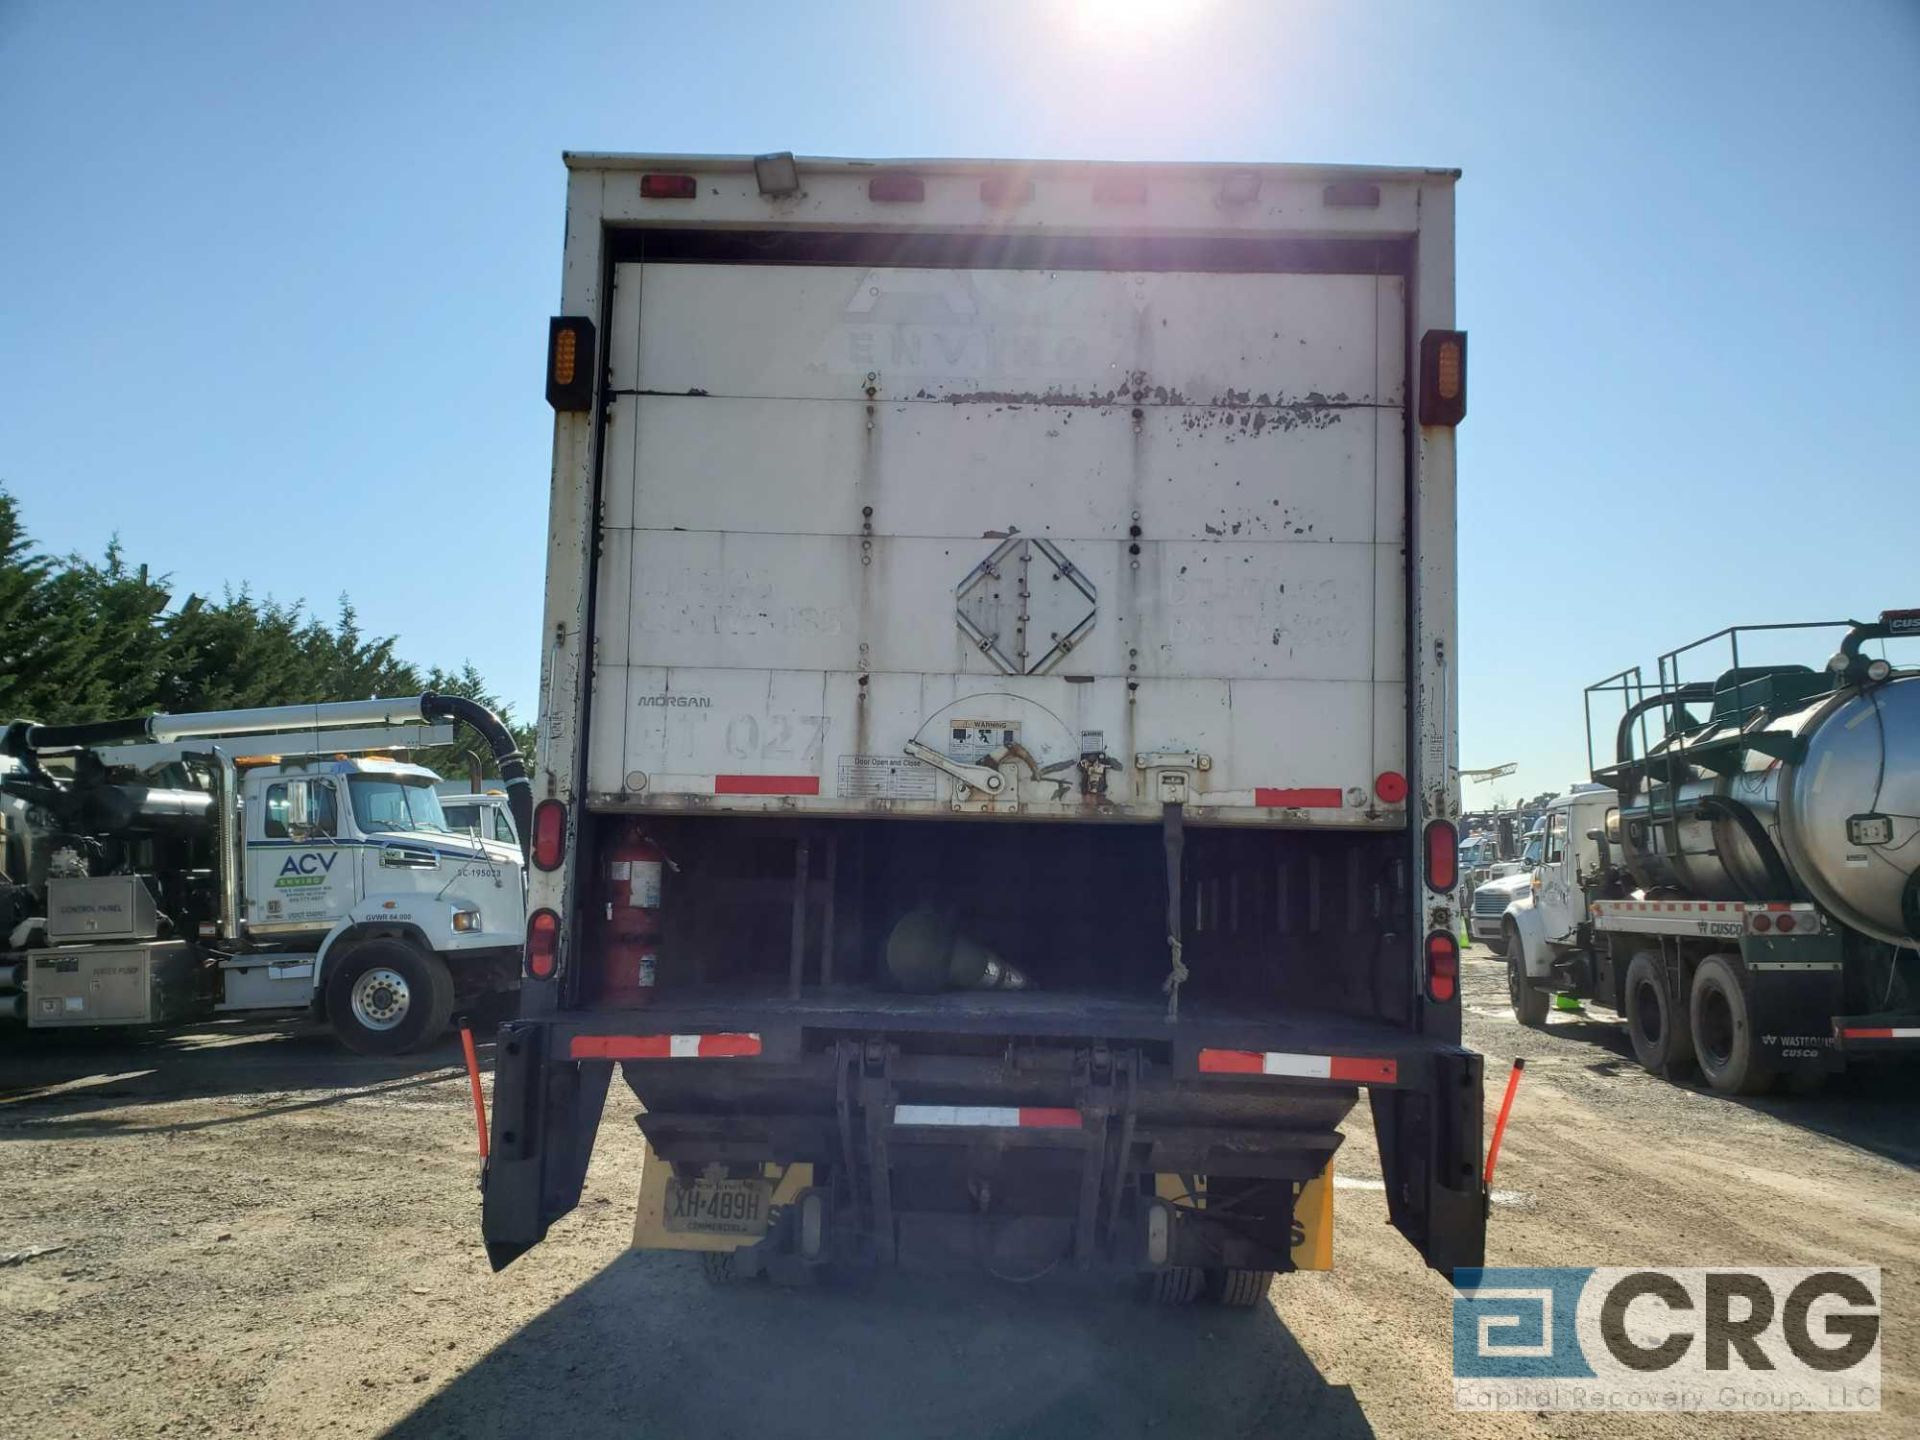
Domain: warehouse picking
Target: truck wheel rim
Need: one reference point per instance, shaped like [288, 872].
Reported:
[1646, 1011]
[380, 998]
[1716, 1027]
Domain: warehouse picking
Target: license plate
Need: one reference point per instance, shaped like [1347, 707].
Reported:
[718, 1207]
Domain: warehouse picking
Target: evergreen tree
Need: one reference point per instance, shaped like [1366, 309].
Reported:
[81, 640]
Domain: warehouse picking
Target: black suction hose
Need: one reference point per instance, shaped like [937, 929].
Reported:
[506, 754]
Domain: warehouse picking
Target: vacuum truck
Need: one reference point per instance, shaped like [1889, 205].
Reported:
[996, 799]
[173, 867]
[1742, 884]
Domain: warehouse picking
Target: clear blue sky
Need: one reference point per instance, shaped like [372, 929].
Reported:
[274, 278]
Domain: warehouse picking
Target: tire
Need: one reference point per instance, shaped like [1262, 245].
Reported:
[1662, 1036]
[387, 997]
[1498, 947]
[1239, 1289]
[1723, 1038]
[1175, 1285]
[1530, 1005]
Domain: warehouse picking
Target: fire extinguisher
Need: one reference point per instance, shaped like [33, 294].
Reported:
[635, 867]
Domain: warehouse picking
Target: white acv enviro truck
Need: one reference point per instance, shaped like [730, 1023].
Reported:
[994, 797]
[172, 867]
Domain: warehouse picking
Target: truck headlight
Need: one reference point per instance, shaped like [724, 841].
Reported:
[465, 921]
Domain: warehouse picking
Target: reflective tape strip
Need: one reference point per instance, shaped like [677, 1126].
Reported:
[1308, 798]
[766, 784]
[991, 1117]
[663, 1047]
[1889, 1032]
[1349, 1069]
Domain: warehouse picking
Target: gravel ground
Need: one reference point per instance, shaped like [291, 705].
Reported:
[254, 1234]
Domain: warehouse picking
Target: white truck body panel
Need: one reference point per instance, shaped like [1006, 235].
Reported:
[804, 464]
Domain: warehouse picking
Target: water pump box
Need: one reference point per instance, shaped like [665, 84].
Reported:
[113, 985]
[101, 907]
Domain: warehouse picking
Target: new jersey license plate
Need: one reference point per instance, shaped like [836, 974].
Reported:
[718, 1207]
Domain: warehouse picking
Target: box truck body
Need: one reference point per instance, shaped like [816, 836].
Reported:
[999, 631]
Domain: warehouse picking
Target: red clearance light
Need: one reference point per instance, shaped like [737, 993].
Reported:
[543, 944]
[1119, 190]
[1006, 190]
[1443, 857]
[1443, 377]
[1443, 967]
[668, 187]
[549, 834]
[896, 187]
[1351, 195]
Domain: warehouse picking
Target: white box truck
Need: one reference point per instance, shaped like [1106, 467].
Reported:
[994, 793]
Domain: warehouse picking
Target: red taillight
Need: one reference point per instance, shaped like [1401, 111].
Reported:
[543, 944]
[1443, 966]
[1763, 923]
[549, 834]
[1119, 190]
[1785, 924]
[1443, 857]
[1005, 190]
[896, 186]
[668, 187]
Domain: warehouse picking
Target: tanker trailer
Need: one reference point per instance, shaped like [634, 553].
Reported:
[1745, 890]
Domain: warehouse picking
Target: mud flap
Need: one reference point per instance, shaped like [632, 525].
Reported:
[1430, 1159]
[545, 1117]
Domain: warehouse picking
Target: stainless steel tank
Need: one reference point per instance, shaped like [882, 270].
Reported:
[1843, 820]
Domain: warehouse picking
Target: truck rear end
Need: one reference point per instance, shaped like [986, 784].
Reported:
[994, 787]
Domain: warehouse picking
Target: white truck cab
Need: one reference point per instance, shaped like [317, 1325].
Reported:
[483, 813]
[1511, 884]
[165, 868]
[1530, 916]
[333, 843]
[348, 851]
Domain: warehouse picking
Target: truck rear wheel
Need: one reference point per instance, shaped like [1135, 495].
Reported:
[1662, 1037]
[1529, 1004]
[386, 997]
[1240, 1289]
[1723, 1038]
[1176, 1285]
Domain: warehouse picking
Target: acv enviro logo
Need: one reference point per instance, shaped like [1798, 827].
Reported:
[1700, 1338]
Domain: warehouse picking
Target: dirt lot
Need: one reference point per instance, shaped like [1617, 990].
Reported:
[258, 1235]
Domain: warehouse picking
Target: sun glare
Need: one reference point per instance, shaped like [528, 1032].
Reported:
[1129, 20]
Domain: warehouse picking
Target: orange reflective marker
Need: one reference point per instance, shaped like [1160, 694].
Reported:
[480, 1103]
[1500, 1125]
